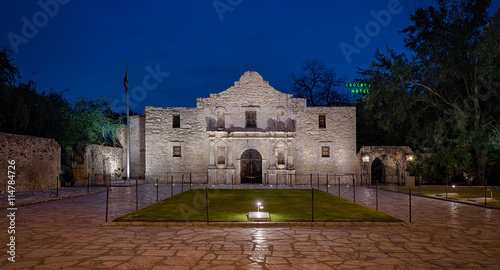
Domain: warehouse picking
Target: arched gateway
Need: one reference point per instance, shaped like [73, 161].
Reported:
[385, 164]
[251, 167]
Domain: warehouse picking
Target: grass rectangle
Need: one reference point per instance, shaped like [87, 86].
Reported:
[464, 192]
[291, 205]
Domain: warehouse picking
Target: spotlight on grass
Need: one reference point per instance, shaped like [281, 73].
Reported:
[259, 206]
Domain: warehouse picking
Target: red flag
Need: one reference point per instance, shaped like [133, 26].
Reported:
[125, 81]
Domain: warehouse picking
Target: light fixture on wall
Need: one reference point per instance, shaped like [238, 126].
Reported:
[409, 157]
[366, 158]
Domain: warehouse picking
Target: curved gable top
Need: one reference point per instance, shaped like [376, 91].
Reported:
[251, 77]
[250, 90]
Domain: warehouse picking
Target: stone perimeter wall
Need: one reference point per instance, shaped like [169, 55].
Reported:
[37, 161]
[95, 159]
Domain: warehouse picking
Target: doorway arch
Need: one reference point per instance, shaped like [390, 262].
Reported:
[386, 170]
[251, 167]
[378, 172]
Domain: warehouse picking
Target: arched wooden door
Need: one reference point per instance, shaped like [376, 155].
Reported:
[251, 167]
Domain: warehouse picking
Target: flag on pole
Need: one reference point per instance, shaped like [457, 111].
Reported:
[125, 81]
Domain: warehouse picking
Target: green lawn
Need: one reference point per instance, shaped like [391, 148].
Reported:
[234, 205]
[464, 192]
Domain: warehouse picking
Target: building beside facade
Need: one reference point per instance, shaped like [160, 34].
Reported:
[249, 133]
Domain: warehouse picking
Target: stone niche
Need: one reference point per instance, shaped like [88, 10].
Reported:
[37, 161]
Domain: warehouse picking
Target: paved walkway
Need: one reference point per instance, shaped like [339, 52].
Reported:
[68, 234]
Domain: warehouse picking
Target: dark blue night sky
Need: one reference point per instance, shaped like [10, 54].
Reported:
[180, 50]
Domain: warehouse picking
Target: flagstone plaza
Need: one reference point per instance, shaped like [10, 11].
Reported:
[69, 234]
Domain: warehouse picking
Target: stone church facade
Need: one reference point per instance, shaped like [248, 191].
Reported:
[249, 133]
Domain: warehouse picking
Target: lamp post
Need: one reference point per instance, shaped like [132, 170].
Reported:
[259, 206]
[409, 159]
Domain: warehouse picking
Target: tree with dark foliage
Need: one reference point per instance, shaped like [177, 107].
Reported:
[317, 83]
[25, 111]
[445, 98]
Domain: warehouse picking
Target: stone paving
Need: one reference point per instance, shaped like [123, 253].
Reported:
[50, 194]
[68, 234]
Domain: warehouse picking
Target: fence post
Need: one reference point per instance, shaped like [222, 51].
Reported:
[311, 180]
[318, 180]
[419, 184]
[156, 189]
[107, 202]
[232, 181]
[136, 195]
[409, 191]
[446, 187]
[339, 187]
[354, 187]
[327, 183]
[485, 191]
[171, 185]
[312, 204]
[207, 177]
[206, 200]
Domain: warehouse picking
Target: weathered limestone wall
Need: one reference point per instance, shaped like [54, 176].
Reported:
[137, 147]
[393, 158]
[37, 161]
[339, 135]
[275, 110]
[97, 159]
[161, 137]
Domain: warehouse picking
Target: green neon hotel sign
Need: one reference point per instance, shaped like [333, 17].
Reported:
[358, 88]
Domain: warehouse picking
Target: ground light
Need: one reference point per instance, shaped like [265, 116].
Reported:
[256, 216]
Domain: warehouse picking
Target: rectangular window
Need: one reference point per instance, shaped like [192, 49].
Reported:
[325, 151]
[176, 121]
[251, 119]
[177, 151]
[322, 121]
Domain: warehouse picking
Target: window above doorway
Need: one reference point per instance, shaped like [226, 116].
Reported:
[251, 119]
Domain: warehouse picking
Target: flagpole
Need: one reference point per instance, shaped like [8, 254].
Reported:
[128, 133]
